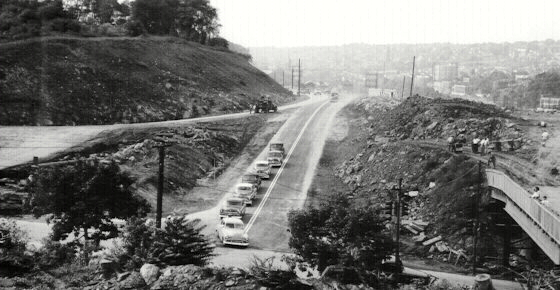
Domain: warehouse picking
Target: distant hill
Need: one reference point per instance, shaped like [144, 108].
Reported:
[79, 81]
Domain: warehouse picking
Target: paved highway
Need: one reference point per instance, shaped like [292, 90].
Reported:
[18, 144]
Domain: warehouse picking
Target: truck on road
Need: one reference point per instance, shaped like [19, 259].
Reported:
[265, 105]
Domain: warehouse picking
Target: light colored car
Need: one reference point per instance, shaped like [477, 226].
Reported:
[231, 232]
[253, 179]
[263, 169]
[246, 191]
[233, 207]
[275, 158]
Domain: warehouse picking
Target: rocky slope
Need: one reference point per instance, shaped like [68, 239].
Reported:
[79, 81]
[385, 143]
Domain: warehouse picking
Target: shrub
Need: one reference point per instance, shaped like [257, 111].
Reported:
[54, 254]
[138, 240]
[135, 28]
[218, 42]
[181, 242]
[13, 242]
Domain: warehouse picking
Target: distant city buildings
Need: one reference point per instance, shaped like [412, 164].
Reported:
[549, 103]
[444, 76]
[446, 72]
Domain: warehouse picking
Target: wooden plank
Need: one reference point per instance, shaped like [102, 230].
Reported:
[410, 229]
[432, 240]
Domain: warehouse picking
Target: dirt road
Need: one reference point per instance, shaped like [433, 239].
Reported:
[18, 144]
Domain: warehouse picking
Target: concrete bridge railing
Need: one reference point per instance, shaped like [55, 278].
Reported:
[544, 217]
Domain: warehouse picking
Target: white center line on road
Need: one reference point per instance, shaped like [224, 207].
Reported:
[271, 186]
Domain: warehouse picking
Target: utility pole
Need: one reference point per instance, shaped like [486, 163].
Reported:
[412, 80]
[397, 250]
[163, 142]
[299, 77]
[402, 92]
[476, 203]
[292, 78]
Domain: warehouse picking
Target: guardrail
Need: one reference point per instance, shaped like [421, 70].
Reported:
[547, 220]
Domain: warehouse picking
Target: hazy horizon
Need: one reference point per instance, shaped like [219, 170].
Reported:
[305, 23]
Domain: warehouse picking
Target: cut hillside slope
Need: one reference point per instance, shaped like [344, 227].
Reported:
[79, 81]
[381, 146]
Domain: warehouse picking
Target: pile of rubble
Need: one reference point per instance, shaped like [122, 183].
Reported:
[12, 195]
[422, 118]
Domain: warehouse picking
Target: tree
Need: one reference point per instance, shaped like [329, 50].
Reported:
[181, 242]
[339, 232]
[82, 199]
[156, 16]
[197, 20]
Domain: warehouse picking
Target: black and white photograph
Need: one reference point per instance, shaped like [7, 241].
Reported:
[280, 144]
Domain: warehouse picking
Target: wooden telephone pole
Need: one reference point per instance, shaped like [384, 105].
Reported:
[476, 204]
[292, 78]
[299, 76]
[402, 92]
[163, 141]
[412, 80]
[397, 249]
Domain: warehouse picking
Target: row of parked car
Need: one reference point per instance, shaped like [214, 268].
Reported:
[231, 229]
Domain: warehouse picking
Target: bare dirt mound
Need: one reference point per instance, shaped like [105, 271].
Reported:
[79, 81]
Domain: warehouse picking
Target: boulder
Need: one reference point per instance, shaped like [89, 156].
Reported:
[150, 273]
[133, 281]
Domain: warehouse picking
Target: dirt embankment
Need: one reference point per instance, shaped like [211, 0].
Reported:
[383, 144]
[198, 152]
[79, 81]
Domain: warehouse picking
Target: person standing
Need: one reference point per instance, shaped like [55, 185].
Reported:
[492, 160]
[545, 201]
[536, 193]
[475, 144]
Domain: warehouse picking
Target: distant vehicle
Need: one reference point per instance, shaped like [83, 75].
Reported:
[277, 147]
[246, 191]
[334, 97]
[275, 158]
[233, 207]
[265, 105]
[231, 232]
[253, 179]
[263, 169]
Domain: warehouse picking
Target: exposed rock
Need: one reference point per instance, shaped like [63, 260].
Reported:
[150, 273]
[133, 281]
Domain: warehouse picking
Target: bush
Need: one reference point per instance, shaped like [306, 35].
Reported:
[13, 242]
[135, 28]
[138, 241]
[218, 42]
[180, 242]
[54, 254]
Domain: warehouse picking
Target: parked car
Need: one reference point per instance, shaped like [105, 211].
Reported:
[275, 158]
[231, 232]
[246, 191]
[233, 207]
[253, 179]
[263, 169]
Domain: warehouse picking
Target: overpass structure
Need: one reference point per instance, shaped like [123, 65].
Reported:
[537, 220]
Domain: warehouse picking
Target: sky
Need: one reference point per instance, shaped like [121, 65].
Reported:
[290, 23]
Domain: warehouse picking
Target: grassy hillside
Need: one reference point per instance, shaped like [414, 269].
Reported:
[67, 81]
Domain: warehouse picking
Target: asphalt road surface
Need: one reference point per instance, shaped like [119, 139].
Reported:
[19, 144]
[303, 135]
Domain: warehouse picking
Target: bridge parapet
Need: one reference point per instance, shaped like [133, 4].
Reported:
[548, 221]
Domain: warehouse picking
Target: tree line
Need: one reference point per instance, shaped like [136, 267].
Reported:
[194, 20]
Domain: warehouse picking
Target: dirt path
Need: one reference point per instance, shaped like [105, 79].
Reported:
[525, 172]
